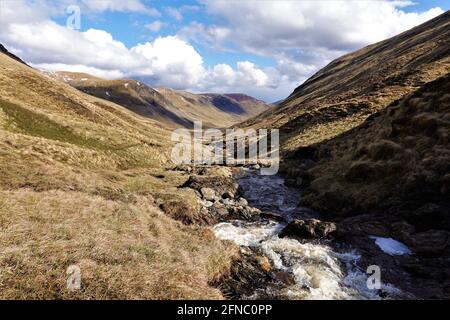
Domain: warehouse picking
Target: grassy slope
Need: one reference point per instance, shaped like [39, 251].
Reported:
[397, 161]
[78, 176]
[351, 88]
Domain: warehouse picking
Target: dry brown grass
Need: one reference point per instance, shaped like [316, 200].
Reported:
[398, 159]
[125, 251]
[81, 180]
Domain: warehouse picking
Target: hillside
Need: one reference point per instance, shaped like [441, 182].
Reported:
[81, 183]
[351, 88]
[400, 155]
[367, 140]
[168, 106]
[390, 177]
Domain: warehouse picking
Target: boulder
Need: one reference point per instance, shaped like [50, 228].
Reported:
[228, 202]
[264, 263]
[429, 243]
[242, 202]
[272, 216]
[311, 228]
[208, 193]
[228, 195]
[219, 184]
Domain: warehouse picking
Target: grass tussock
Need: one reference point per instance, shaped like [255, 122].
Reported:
[400, 156]
[126, 251]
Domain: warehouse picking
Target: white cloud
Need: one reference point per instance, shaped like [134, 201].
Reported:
[101, 73]
[300, 36]
[171, 61]
[199, 33]
[166, 61]
[268, 27]
[155, 26]
[120, 5]
[174, 13]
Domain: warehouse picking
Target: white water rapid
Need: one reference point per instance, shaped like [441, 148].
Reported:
[319, 271]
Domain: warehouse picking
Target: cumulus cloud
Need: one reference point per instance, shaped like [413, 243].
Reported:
[165, 61]
[170, 60]
[301, 36]
[266, 27]
[211, 35]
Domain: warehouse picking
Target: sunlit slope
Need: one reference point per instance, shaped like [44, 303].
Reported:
[81, 181]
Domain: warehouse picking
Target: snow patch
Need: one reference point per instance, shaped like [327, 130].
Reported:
[391, 246]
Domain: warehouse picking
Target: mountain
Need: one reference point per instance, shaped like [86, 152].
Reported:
[81, 183]
[333, 142]
[367, 140]
[167, 105]
[9, 54]
[351, 88]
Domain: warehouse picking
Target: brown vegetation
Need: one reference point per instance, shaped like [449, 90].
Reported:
[81, 182]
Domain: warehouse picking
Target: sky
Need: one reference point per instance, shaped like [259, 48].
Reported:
[258, 47]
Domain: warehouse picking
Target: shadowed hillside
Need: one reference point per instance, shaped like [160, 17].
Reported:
[390, 177]
[168, 106]
[351, 88]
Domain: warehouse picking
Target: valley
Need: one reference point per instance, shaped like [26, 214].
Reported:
[87, 179]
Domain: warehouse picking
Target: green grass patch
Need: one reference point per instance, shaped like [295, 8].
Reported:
[28, 122]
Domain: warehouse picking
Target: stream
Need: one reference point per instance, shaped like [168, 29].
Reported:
[319, 271]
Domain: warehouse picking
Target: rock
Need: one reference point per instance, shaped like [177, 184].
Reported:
[228, 202]
[365, 225]
[311, 228]
[254, 211]
[215, 171]
[219, 184]
[208, 193]
[185, 168]
[228, 195]
[290, 182]
[243, 202]
[207, 204]
[272, 216]
[429, 243]
[264, 263]
[428, 216]
[239, 212]
[285, 277]
[218, 204]
[222, 212]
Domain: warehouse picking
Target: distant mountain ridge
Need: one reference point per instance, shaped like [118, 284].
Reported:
[168, 105]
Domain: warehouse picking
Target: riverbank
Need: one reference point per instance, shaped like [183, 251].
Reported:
[276, 262]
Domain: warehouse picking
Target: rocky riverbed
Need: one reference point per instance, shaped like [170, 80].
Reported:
[287, 252]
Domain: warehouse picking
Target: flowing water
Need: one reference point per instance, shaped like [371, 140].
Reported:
[319, 271]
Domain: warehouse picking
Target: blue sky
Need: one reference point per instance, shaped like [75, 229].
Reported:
[129, 27]
[262, 48]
